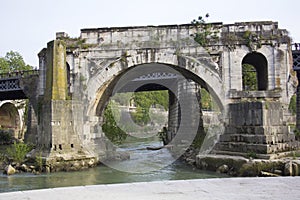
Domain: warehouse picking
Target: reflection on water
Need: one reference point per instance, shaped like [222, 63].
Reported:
[106, 175]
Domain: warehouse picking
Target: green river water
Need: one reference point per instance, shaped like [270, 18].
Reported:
[140, 158]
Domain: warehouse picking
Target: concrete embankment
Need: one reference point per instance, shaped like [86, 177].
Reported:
[221, 188]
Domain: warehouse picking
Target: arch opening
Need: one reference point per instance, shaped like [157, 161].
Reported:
[10, 119]
[108, 89]
[105, 107]
[184, 112]
[255, 72]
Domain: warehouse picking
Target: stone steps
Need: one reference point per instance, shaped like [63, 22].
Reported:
[258, 139]
[257, 130]
[256, 148]
[241, 147]
[246, 138]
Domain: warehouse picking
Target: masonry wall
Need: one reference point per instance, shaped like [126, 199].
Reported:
[256, 127]
[185, 115]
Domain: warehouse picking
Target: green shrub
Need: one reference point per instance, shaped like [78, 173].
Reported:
[297, 133]
[251, 155]
[3, 157]
[18, 151]
[5, 137]
[39, 162]
[292, 105]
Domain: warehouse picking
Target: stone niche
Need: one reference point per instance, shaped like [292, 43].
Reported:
[256, 127]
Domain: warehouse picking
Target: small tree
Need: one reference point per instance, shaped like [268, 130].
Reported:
[205, 31]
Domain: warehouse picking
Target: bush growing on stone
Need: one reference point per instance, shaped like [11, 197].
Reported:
[39, 162]
[2, 157]
[292, 105]
[18, 151]
[297, 134]
[5, 137]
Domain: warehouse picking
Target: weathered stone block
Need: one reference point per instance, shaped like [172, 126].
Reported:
[213, 162]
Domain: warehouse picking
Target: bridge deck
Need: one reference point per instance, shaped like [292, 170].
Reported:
[224, 188]
[10, 87]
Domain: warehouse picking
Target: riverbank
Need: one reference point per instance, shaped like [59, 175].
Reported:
[225, 188]
[126, 171]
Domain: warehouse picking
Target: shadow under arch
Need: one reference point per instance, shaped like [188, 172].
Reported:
[10, 118]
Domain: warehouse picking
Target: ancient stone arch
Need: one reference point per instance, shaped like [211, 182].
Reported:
[11, 118]
[260, 63]
[100, 57]
[204, 74]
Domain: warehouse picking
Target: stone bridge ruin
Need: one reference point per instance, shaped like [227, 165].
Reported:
[77, 76]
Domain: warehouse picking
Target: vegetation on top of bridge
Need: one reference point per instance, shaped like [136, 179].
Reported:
[76, 42]
[16, 74]
[208, 34]
[205, 31]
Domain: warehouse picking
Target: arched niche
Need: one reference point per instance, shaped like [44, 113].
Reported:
[259, 70]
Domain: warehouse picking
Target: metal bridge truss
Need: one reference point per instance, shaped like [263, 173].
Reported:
[9, 85]
[156, 76]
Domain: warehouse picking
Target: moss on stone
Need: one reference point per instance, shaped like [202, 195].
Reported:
[255, 168]
[56, 82]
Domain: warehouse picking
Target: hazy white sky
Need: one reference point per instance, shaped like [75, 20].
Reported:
[27, 25]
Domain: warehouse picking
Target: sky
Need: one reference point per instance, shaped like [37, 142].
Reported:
[27, 25]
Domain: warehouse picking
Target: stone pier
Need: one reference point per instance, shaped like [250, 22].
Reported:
[58, 140]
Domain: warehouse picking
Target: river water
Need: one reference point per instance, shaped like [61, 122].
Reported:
[141, 158]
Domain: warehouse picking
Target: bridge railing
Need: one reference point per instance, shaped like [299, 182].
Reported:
[295, 46]
[16, 74]
[296, 56]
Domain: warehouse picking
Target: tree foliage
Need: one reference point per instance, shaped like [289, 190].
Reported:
[207, 102]
[13, 61]
[249, 77]
[144, 100]
[123, 98]
[110, 127]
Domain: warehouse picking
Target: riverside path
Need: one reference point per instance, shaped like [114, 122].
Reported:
[220, 188]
